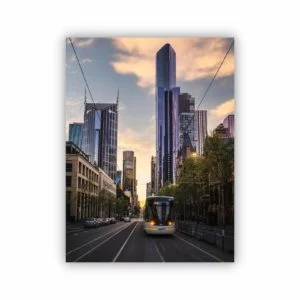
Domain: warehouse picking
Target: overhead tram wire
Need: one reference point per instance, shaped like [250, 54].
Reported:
[85, 80]
[209, 86]
[86, 83]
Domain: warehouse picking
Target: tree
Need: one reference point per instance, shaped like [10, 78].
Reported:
[219, 155]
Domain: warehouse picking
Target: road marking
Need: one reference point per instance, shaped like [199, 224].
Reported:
[191, 244]
[160, 255]
[121, 249]
[97, 246]
[83, 245]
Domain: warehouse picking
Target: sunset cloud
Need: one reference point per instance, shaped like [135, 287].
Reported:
[224, 109]
[196, 58]
[220, 112]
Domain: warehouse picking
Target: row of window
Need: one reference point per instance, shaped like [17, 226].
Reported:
[83, 184]
[85, 171]
[88, 186]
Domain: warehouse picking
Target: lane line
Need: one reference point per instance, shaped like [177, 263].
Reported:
[99, 237]
[123, 246]
[97, 246]
[160, 255]
[196, 247]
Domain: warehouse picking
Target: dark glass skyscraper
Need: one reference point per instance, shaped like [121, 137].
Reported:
[76, 134]
[100, 135]
[166, 115]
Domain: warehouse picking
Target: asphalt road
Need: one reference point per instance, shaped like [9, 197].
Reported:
[127, 242]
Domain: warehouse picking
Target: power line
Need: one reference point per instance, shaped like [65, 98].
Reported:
[209, 86]
[87, 85]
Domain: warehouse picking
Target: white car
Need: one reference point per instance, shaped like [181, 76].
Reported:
[126, 219]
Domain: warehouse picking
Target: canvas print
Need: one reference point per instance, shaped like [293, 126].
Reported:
[149, 149]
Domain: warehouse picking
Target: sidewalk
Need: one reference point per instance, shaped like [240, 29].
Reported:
[220, 238]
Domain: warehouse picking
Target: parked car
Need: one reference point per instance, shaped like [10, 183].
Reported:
[91, 223]
[126, 219]
[107, 221]
[101, 221]
[113, 220]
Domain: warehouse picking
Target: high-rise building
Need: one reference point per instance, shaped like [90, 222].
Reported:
[200, 132]
[76, 134]
[148, 189]
[118, 180]
[153, 175]
[186, 127]
[186, 110]
[100, 135]
[166, 115]
[129, 173]
[186, 103]
[228, 123]
[221, 131]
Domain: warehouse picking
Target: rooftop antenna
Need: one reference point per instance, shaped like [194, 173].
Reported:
[118, 96]
[84, 96]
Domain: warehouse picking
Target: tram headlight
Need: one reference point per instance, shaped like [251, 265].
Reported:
[170, 223]
[152, 223]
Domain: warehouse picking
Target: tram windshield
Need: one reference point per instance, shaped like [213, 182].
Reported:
[159, 210]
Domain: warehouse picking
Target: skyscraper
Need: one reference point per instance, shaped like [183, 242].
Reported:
[118, 180]
[200, 130]
[153, 175]
[148, 189]
[186, 103]
[186, 126]
[186, 110]
[166, 115]
[100, 135]
[76, 134]
[228, 123]
[129, 173]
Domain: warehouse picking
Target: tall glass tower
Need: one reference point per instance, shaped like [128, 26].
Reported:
[200, 130]
[100, 135]
[166, 115]
[76, 133]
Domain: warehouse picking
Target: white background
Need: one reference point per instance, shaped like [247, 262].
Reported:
[32, 150]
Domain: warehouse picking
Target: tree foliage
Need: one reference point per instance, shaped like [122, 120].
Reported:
[191, 191]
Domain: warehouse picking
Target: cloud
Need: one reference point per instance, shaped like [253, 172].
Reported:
[82, 42]
[74, 107]
[196, 58]
[85, 61]
[72, 65]
[224, 108]
[219, 113]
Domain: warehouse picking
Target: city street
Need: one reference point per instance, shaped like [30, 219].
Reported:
[126, 242]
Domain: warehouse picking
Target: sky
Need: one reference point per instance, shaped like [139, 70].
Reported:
[128, 64]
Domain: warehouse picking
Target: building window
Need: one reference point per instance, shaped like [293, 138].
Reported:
[79, 182]
[68, 181]
[80, 167]
[68, 167]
